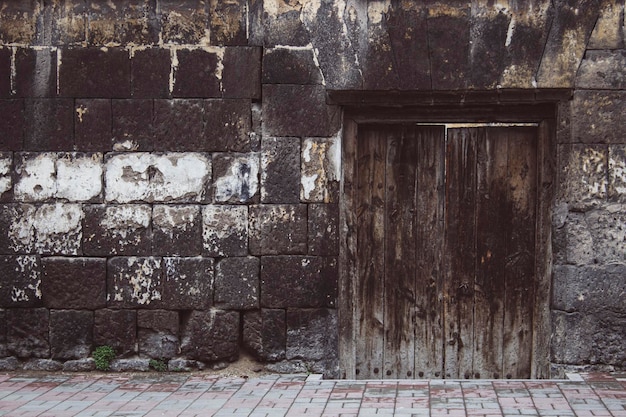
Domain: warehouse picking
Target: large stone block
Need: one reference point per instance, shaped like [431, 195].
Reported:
[12, 124]
[583, 176]
[3, 334]
[179, 125]
[602, 70]
[279, 24]
[172, 177]
[228, 22]
[133, 23]
[288, 65]
[280, 170]
[150, 73]
[74, 283]
[278, 229]
[573, 243]
[184, 22]
[5, 72]
[116, 328]
[323, 229]
[177, 230]
[235, 178]
[94, 73]
[71, 334]
[49, 124]
[53, 229]
[132, 127]
[6, 176]
[608, 230]
[35, 72]
[589, 289]
[312, 334]
[27, 332]
[264, 334]
[188, 283]
[20, 281]
[608, 32]
[225, 230]
[617, 172]
[321, 170]
[210, 336]
[134, 282]
[237, 283]
[19, 21]
[488, 40]
[598, 116]
[92, 125]
[117, 230]
[227, 125]
[16, 230]
[158, 333]
[196, 73]
[67, 22]
[298, 110]
[241, 77]
[298, 281]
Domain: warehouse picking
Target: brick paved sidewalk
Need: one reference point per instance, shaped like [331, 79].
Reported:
[203, 395]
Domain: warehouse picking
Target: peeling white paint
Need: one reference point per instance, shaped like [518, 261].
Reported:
[308, 185]
[58, 229]
[21, 231]
[241, 183]
[26, 267]
[37, 178]
[6, 183]
[168, 218]
[617, 173]
[140, 281]
[321, 165]
[79, 178]
[376, 10]
[220, 222]
[127, 145]
[122, 221]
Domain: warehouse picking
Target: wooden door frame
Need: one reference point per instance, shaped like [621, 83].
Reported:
[358, 111]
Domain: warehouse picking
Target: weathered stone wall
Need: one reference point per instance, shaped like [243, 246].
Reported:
[170, 170]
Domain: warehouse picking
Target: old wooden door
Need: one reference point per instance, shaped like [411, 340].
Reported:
[445, 247]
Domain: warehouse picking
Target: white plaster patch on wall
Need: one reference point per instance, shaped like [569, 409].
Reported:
[220, 222]
[27, 267]
[376, 10]
[593, 166]
[21, 231]
[321, 165]
[37, 178]
[617, 170]
[168, 218]
[123, 220]
[6, 160]
[149, 177]
[58, 229]
[241, 182]
[79, 178]
[143, 286]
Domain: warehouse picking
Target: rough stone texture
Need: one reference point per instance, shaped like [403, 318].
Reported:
[609, 29]
[74, 283]
[130, 365]
[179, 125]
[602, 70]
[183, 365]
[3, 334]
[184, 22]
[6, 180]
[228, 22]
[17, 235]
[116, 328]
[9, 364]
[43, 365]
[298, 281]
[131, 128]
[35, 72]
[172, 177]
[235, 178]
[18, 20]
[196, 73]
[158, 333]
[80, 365]
[598, 116]
[92, 124]
[94, 73]
[264, 334]
[323, 229]
[134, 23]
[312, 336]
[584, 175]
[280, 170]
[225, 230]
[237, 283]
[49, 124]
[67, 22]
[150, 73]
[134, 282]
[321, 170]
[177, 230]
[20, 281]
[117, 230]
[211, 336]
[278, 229]
[284, 65]
[12, 125]
[617, 173]
[5, 72]
[27, 332]
[298, 110]
[241, 77]
[71, 334]
[188, 283]
[227, 125]
[72, 176]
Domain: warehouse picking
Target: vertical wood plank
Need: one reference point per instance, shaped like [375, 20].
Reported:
[430, 239]
[520, 265]
[460, 251]
[370, 208]
[492, 231]
[400, 262]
